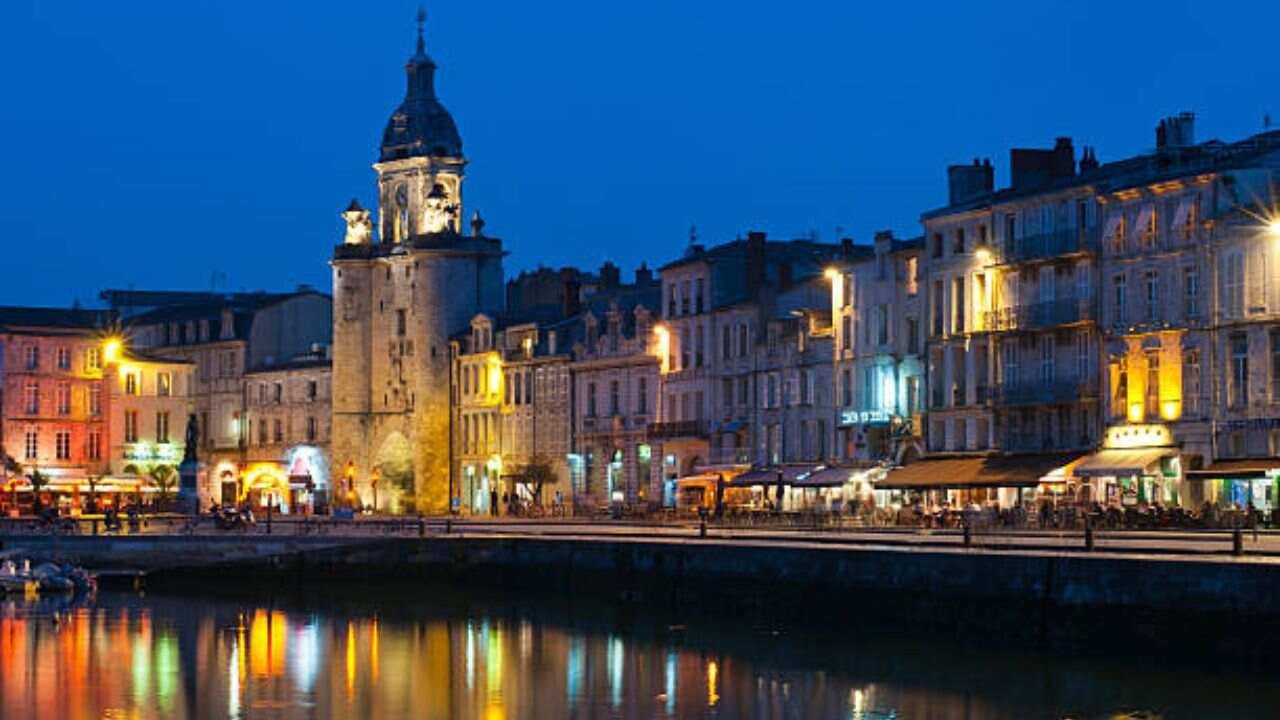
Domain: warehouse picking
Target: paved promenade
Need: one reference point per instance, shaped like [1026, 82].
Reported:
[1263, 545]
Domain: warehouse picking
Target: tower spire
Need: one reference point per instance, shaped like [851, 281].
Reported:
[422, 20]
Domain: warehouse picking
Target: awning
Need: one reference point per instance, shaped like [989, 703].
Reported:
[1121, 463]
[791, 474]
[995, 471]
[826, 477]
[1238, 468]
[697, 479]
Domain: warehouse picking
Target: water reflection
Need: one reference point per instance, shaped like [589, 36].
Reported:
[132, 657]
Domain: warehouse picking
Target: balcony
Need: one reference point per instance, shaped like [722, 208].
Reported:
[1058, 392]
[1048, 245]
[682, 429]
[1039, 316]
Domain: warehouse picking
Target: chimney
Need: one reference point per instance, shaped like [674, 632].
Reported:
[846, 247]
[1033, 167]
[755, 261]
[966, 182]
[1088, 159]
[610, 276]
[1176, 131]
[644, 276]
[570, 287]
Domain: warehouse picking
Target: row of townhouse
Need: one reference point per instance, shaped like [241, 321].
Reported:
[1116, 324]
[85, 422]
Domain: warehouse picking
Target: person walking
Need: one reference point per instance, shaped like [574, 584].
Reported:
[493, 502]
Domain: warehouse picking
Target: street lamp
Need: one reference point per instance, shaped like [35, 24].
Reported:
[373, 483]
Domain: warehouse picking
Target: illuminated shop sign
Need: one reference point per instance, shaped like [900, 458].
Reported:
[865, 417]
[149, 452]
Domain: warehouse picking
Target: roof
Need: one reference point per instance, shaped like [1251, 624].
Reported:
[420, 126]
[1236, 468]
[1167, 164]
[295, 364]
[14, 317]
[973, 472]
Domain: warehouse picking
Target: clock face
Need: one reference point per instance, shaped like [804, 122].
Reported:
[402, 196]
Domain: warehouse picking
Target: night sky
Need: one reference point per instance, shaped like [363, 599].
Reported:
[154, 144]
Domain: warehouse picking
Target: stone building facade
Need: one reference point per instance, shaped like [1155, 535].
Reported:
[400, 298]
[226, 336]
[288, 413]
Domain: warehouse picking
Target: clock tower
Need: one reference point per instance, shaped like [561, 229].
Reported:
[398, 299]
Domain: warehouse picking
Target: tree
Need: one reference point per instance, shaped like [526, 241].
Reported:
[163, 479]
[11, 469]
[536, 474]
[38, 481]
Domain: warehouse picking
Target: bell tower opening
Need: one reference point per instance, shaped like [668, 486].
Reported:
[420, 167]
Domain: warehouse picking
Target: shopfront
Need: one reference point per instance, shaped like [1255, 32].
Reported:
[1137, 464]
[1001, 481]
[1239, 482]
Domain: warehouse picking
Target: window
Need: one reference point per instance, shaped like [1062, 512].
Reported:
[62, 445]
[698, 347]
[277, 431]
[33, 357]
[1151, 280]
[957, 247]
[1233, 285]
[935, 245]
[31, 398]
[913, 393]
[402, 323]
[1149, 228]
[1275, 365]
[63, 358]
[846, 332]
[93, 359]
[1153, 385]
[1082, 355]
[64, 398]
[31, 445]
[686, 348]
[1048, 350]
[846, 388]
[262, 432]
[312, 389]
[1238, 378]
[642, 396]
[1120, 299]
[591, 399]
[507, 388]
[742, 340]
[311, 428]
[1191, 292]
[913, 336]
[94, 446]
[685, 297]
[95, 400]
[131, 383]
[938, 309]
[131, 426]
[726, 342]
[162, 427]
[1191, 382]
[204, 330]
[1120, 397]
[1010, 364]
[164, 384]
[697, 295]
[671, 300]
[958, 305]
[1010, 231]
[615, 398]
[277, 393]
[882, 322]
[913, 276]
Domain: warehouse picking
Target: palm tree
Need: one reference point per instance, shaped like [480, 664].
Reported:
[38, 481]
[163, 478]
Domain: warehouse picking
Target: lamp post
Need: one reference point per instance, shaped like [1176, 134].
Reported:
[349, 482]
[373, 483]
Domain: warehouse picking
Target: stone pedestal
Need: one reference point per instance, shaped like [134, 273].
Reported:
[188, 489]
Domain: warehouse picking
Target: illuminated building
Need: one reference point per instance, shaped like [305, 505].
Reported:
[287, 418]
[52, 415]
[400, 297]
[147, 402]
[224, 335]
[746, 380]
[617, 346]
[878, 367]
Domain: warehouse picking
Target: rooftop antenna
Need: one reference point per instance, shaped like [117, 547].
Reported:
[422, 21]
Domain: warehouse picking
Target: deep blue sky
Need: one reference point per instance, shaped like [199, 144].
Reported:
[153, 143]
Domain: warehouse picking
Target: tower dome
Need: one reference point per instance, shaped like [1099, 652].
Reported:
[421, 126]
